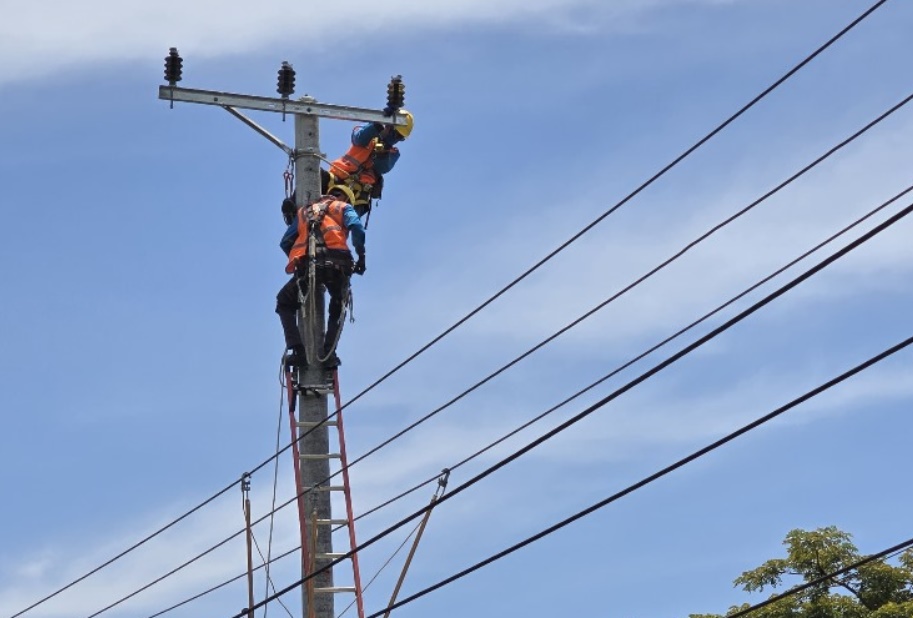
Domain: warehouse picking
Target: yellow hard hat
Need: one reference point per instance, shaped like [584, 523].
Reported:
[405, 129]
[345, 189]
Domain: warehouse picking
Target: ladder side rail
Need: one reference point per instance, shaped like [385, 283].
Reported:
[344, 462]
[302, 513]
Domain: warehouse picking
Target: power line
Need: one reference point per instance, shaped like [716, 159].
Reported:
[880, 118]
[652, 349]
[623, 389]
[222, 585]
[620, 203]
[517, 280]
[126, 551]
[661, 473]
[642, 278]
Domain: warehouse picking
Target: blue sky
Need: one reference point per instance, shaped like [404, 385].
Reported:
[139, 263]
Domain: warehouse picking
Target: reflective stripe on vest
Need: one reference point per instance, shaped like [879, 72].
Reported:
[329, 213]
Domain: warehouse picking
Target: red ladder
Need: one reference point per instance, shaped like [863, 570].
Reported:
[307, 530]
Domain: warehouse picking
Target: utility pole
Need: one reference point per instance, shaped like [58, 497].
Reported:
[312, 405]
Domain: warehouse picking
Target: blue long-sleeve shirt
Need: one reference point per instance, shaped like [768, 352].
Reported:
[349, 218]
[385, 159]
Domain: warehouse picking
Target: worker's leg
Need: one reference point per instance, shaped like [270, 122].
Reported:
[287, 305]
[336, 283]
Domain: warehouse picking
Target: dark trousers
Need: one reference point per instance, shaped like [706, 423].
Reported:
[334, 278]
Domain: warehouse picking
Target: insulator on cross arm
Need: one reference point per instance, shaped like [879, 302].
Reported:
[396, 94]
[286, 80]
[173, 66]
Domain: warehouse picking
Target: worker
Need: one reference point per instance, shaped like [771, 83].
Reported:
[334, 220]
[373, 153]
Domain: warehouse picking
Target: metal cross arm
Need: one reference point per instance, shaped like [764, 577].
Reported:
[307, 106]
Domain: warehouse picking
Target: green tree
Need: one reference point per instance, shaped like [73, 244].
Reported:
[874, 590]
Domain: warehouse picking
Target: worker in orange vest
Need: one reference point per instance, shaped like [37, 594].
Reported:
[334, 220]
[372, 154]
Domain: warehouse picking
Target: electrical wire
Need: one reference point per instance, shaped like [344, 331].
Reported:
[517, 280]
[620, 203]
[714, 332]
[269, 580]
[564, 329]
[628, 386]
[641, 279]
[222, 585]
[661, 473]
[649, 351]
[136, 545]
[642, 355]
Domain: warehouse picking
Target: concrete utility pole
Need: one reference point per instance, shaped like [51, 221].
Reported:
[313, 406]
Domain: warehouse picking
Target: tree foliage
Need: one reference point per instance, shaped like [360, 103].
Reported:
[874, 590]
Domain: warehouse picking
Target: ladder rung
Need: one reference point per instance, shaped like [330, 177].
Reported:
[332, 522]
[328, 488]
[332, 555]
[318, 456]
[335, 589]
[309, 424]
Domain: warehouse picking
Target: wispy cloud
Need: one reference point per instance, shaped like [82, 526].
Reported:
[44, 37]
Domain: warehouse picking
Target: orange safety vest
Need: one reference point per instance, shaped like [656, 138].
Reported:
[358, 161]
[328, 214]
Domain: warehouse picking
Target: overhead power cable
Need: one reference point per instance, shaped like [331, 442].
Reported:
[194, 559]
[830, 152]
[647, 352]
[617, 370]
[639, 280]
[823, 579]
[541, 344]
[661, 473]
[525, 274]
[620, 203]
[222, 585]
[128, 550]
[625, 388]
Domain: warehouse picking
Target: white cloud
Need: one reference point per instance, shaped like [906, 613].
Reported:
[37, 38]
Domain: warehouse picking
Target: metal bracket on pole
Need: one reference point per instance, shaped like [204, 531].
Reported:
[253, 125]
[272, 104]
[245, 495]
[442, 486]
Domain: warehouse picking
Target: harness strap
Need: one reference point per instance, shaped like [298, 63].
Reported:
[315, 225]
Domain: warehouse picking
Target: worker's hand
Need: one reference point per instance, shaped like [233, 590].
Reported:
[360, 265]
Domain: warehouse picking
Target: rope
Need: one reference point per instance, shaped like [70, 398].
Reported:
[269, 543]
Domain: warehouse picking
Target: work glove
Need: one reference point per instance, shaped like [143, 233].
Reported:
[360, 265]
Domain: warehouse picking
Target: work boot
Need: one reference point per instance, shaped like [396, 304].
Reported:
[296, 357]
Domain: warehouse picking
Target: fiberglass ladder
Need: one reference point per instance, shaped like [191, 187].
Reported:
[310, 526]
